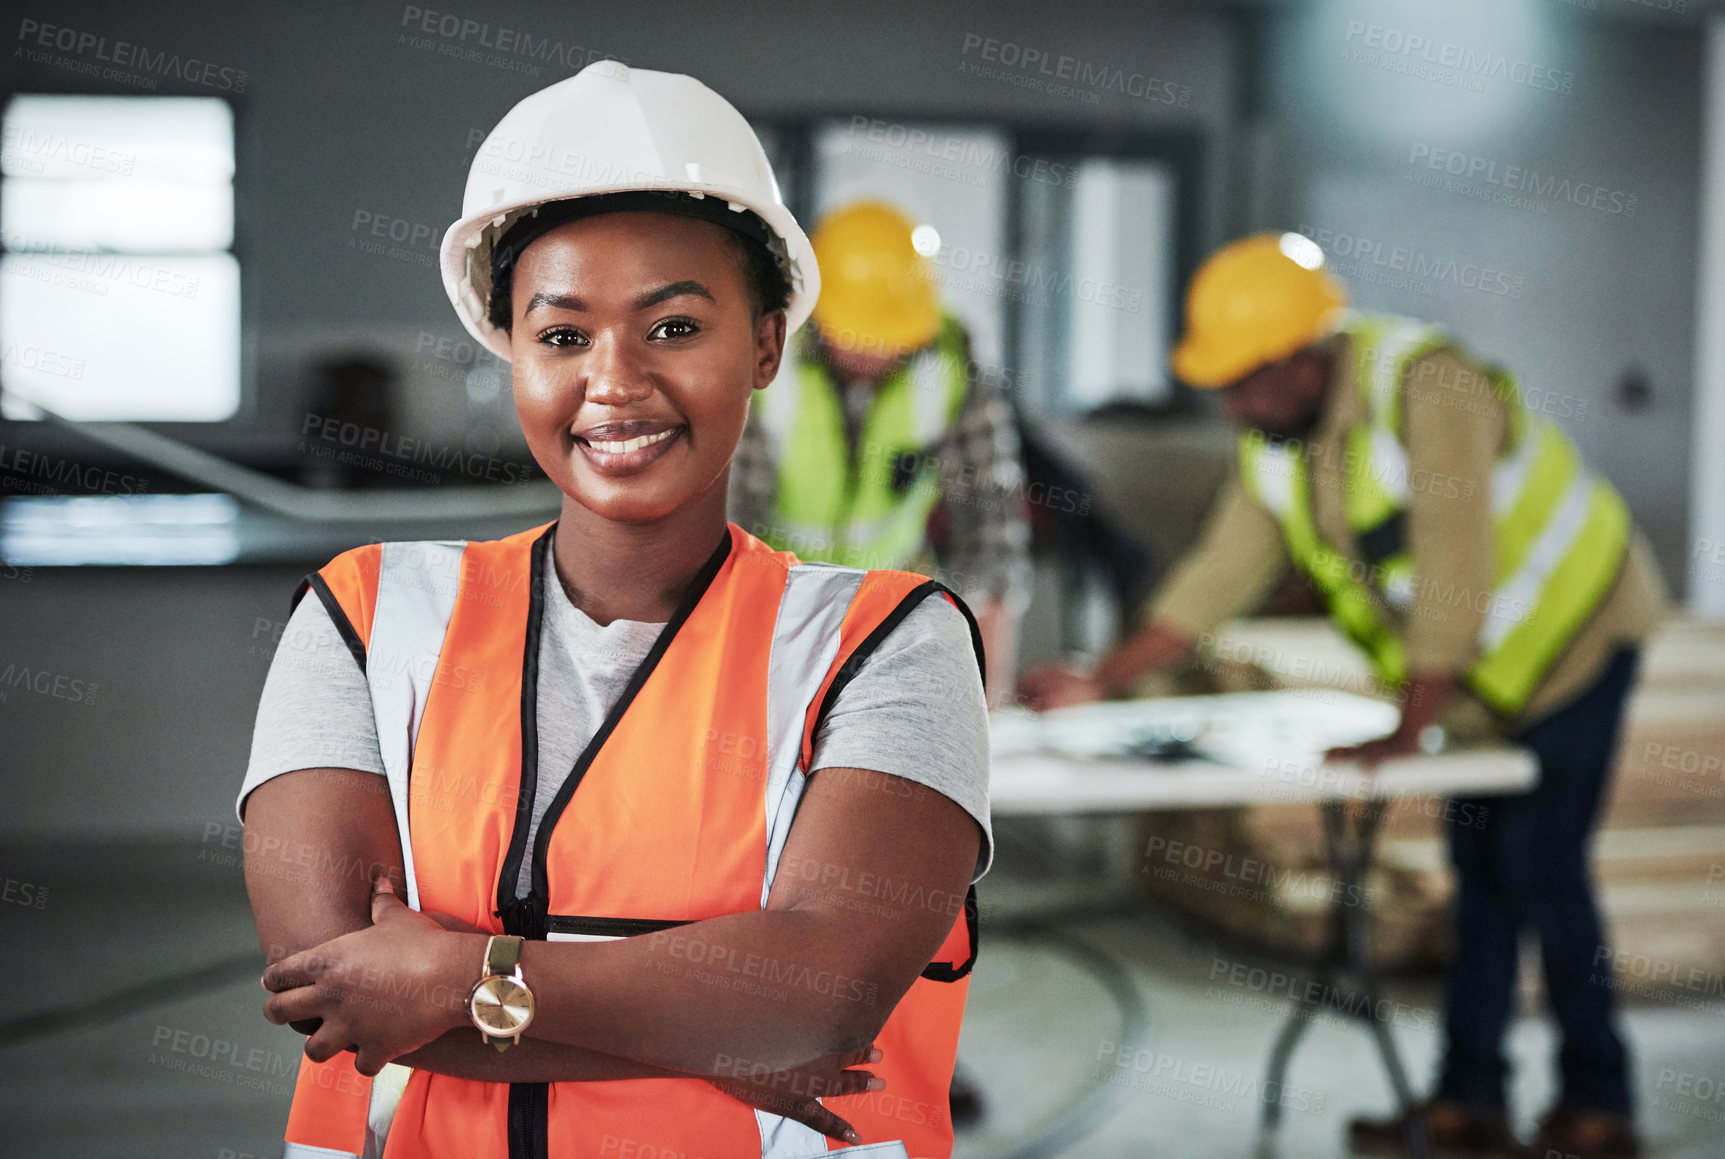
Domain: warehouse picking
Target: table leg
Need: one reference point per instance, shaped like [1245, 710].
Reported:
[1351, 859]
[1347, 952]
[1286, 1040]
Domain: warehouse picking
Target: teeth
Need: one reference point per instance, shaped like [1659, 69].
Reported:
[627, 445]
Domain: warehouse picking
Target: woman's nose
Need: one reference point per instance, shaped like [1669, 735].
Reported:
[614, 375]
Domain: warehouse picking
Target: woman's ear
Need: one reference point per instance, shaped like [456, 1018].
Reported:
[769, 347]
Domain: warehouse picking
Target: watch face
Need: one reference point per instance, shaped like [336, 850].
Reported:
[501, 1007]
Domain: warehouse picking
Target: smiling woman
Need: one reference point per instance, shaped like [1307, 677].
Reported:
[582, 753]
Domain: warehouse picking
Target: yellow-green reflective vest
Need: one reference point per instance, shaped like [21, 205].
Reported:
[1560, 533]
[871, 511]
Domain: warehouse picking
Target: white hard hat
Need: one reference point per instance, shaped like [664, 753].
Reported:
[613, 129]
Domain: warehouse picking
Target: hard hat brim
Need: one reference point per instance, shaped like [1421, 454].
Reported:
[865, 330]
[465, 255]
[1208, 368]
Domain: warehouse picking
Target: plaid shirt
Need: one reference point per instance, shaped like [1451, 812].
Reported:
[979, 537]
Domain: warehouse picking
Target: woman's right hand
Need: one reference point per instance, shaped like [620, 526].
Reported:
[792, 1093]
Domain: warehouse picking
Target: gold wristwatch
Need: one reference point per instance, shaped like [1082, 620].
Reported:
[500, 1003]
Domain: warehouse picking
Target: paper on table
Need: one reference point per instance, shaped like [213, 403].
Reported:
[1245, 729]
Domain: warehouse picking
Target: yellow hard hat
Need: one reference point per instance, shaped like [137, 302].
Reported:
[878, 294]
[1254, 302]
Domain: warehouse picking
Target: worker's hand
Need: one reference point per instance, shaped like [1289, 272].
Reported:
[380, 992]
[1375, 752]
[792, 1093]
[1057, 686]
[1422, 705]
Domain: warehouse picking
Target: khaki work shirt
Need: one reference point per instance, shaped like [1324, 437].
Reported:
[1454, 427]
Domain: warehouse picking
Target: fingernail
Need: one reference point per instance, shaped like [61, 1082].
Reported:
[877, 1084]
[874, 1054]
[851, 1136]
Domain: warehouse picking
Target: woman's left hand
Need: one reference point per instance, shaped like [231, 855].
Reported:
[381, 992]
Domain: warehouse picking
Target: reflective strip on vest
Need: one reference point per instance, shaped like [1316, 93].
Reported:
[1559, 533]
[682, 814]
[416, 590]
[302, 1151]
[805, 640]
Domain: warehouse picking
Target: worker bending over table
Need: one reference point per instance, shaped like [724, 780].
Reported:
[1497, 588]
[689, 824]
[877, 446]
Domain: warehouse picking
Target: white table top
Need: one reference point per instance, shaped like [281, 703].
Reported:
[1261, 748]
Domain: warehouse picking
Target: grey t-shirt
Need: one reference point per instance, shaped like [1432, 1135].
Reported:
[914, 710]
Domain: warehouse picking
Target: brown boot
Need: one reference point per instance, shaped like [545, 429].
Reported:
[1454, 1131]
[1577, 1133]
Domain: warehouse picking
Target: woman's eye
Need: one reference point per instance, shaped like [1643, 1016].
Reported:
[675, 328]
[563, 336]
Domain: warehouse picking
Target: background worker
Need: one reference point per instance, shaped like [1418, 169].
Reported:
[877, 447]
[1496, 587]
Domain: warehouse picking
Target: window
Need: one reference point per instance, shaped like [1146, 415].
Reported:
[119, 293]
[1100, 246]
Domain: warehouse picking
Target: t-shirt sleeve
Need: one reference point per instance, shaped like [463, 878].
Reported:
[315, 712]
[915, 710]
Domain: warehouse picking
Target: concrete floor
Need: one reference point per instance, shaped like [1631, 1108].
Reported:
[199, 1073]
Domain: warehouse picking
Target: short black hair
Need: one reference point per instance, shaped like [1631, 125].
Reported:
[769, 287]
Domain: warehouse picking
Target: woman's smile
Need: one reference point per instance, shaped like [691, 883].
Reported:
[618, 449]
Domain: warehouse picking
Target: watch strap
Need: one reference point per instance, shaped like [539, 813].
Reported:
[502, 954]
[502, 959]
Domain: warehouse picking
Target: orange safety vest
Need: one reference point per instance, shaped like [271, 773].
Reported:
[676, 811]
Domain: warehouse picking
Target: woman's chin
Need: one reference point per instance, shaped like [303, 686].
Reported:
[624, 504]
